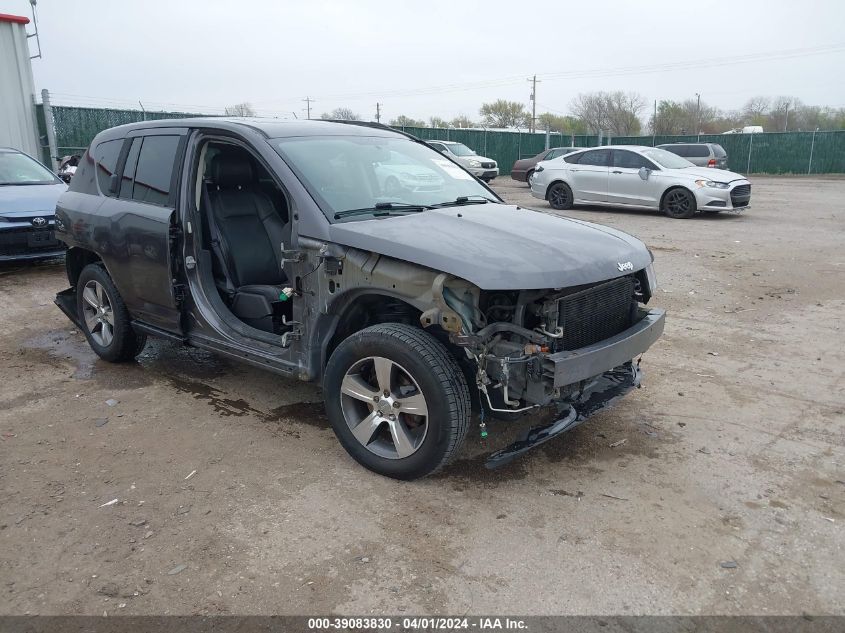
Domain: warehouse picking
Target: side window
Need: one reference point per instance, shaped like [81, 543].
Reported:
[698, 151]
[597, 157]
[154, 172]
[630, 160]
[680, 150]
[105, 156]
[128, 177]
[574, 158]
[553, 154]
[719, 151]
[437, 146]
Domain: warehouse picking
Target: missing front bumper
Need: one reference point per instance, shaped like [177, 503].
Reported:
[598, 394]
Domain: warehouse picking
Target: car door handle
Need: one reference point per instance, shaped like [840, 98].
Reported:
[617, 172]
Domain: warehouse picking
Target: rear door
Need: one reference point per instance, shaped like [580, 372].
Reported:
[698, 154]
[589, 176]
[625, 186]
[142, 231]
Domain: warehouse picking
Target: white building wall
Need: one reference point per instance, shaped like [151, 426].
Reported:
[18, 126]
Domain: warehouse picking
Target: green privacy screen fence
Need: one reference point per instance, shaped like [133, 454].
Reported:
[768, 153]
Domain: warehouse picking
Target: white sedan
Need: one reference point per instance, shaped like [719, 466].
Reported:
[638, 177]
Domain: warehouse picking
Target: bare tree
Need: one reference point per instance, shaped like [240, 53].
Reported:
[462, 121]
[239, 109]
[782, 112]
[406, 121]
[341, 114]
[502, 113]
[755, 110]
[436, 121]
[687, 117]
[617, 113]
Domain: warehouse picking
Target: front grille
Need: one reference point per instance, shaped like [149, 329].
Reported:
[16, 242]
[488, 165]
[596, 313]
[740, 195]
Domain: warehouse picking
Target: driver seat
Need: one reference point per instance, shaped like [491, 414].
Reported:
[246, 237]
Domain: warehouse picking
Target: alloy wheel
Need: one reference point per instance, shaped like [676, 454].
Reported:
[559, 196]
[678, 202]
[98, 313]
[384, 407]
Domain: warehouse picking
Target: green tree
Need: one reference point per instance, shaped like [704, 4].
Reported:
[564, 124]
[406, 121]
[502, 113]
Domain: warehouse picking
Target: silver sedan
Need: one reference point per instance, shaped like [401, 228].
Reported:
[638, 177]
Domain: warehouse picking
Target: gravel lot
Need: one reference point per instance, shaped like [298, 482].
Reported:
[727, 495]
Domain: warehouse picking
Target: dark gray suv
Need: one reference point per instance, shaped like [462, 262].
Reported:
[274, 243]
[700, 154]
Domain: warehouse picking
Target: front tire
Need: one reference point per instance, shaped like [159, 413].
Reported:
[679, 204]
[528, 177]
[397, 400]
[560, 196]
[104, 317]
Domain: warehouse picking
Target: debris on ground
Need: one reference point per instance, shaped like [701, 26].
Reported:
[109, 589]
[614, 497]
[191, 474]
[148, 534]
[619, 443]
[177, 569]
[728, 564]
[138, 522]
[112, 402]
[101, 422]
[704, 450]
[109, 503]
[713, 353]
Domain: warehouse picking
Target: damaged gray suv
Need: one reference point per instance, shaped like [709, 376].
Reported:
[277, 243]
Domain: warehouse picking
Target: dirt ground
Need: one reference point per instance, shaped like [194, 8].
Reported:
[233, 496]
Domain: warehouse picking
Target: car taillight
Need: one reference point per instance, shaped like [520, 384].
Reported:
[711, 162]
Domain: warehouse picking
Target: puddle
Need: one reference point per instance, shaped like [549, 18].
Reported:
[222, 405]
[310, 413]
[168, 359]
[62, 345]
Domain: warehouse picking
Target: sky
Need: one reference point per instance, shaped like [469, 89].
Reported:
[432, 58]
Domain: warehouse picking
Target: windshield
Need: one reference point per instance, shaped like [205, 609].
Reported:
[20, 169]
[344, 173]
[667, 159]
[459, 149]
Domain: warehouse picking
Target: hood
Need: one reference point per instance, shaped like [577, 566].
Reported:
[26, 200]
[719, 175]
[499, 247]
[465, 159]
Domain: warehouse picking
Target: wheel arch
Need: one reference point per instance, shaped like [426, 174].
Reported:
[672, 188]
[555, 182]
[76, 259]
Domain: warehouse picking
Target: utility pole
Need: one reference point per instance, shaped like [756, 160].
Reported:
[378, 112]
[654, 125]
[698, 116]
[308, 101]
[533, 126]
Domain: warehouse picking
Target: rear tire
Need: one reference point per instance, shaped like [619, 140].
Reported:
[374, 382]
[560, 196]
[104, 317]
[678, 203]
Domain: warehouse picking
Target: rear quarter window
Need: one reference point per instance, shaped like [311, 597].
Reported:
[572, 158]
[698, 151]
[85, 178]
[105, 158]
[719, 151]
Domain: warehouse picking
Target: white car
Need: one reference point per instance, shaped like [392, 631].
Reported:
[638, 177]
[397, 174]
[479, 166]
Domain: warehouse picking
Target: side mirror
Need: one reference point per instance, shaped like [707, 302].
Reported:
[644, 173]
[444, 151]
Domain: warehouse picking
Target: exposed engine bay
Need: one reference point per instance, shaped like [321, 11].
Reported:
[512, 335]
